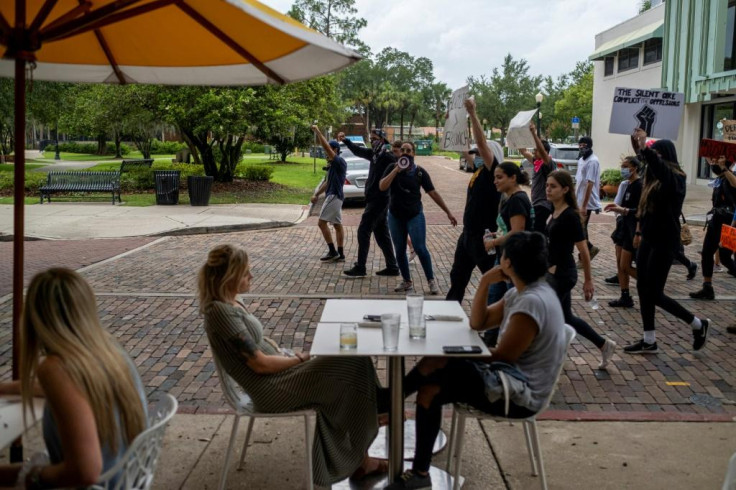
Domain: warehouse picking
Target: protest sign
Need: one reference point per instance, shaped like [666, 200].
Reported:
[518, 135]
[456, 136]
[714, 149]
[655, 111]
[729, 130]
[728, 237]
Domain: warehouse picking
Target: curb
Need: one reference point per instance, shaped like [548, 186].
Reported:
[202, 230]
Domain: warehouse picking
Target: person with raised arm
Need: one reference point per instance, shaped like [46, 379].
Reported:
[543, 166]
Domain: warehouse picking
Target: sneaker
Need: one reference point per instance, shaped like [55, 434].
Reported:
[701, 335]
[607, 353]
[641, 347]
[341, 258]
[355, 271]
[411, 480]
[622, 302]
[731, 328]
[404, 286]
[718, 268]
[593, 252]
[330, 257]
[611, 280]
[412, 256]
[706, 293]
[692, 270]
[433, 288]
[388, 271]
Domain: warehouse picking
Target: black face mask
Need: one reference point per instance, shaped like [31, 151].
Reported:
[377, 145]
[716, 169]
[585, 153]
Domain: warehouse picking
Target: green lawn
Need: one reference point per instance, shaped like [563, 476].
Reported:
[8, 167]
[86, 157]
[297, 172]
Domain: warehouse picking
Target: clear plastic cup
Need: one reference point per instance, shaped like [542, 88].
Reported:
[415, 309]
[348, 336]
[390, 328]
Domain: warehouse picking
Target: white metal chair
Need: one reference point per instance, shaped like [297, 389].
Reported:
[462, 412]
[136, 469]
[239, 400]
[730, 482]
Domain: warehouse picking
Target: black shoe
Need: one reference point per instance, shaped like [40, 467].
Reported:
[701, 335]
[611, 280]
[355, 271]
[410, 480]
[641, 347]
[705, 293]
[330, 257]
[622, 302]
[731, 329]
[692, 270]
[388, 271]
[341, 258]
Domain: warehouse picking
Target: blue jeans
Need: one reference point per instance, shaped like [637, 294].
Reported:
[416, 228]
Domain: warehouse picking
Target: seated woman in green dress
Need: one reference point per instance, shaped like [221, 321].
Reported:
[345, 391]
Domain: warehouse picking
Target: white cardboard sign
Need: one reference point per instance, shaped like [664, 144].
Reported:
[456, 136]
[655, 111]
[519, 135]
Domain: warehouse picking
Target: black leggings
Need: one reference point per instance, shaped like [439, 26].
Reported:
[653, 266]
[374, 221]
[710, 245]
[459, 381]
[562, 282]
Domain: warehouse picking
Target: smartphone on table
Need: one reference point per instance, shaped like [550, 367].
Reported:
[461, 349]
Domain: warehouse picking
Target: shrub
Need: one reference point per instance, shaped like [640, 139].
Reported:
[254, 172]
[254, 147]
[611, 176]
[34, 181]
[166, 147]
[88, 148]
[141, 179]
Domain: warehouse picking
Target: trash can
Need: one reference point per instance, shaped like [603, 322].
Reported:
[199, 189]
[167, 186]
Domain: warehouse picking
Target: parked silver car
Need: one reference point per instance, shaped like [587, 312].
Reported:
[357, 174]
[566, 157]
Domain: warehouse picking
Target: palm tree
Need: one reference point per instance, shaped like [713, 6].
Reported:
[439, 95]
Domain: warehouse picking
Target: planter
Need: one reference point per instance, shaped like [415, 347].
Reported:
[199, 189]
[609, 190]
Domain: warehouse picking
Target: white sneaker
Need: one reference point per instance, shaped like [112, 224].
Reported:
[404, 286]
[607, 353]
[718, 268]
[433, 288]
[412, 256]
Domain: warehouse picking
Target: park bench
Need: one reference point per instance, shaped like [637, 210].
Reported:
[128, 164]
[82, 182]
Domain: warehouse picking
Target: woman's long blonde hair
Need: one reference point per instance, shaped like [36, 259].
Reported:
[220, 275]
[60, 319]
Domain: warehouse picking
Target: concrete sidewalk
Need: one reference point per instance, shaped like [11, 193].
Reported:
[103, 220]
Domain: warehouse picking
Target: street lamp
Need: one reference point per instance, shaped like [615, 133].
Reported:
[539, 98]
[314, 150]
[470, 134]
[57, 156]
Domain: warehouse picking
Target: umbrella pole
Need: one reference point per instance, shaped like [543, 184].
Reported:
[16, 450]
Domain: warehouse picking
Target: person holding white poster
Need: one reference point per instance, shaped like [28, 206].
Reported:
[588, 179]
[657, 238]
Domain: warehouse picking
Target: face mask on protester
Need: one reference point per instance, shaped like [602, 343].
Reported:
[377, 144]
[585, 153]
[625, 173]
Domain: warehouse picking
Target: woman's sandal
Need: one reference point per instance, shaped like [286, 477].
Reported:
[381, 468]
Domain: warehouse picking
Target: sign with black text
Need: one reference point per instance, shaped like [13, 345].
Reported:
[457, 136]
[655, 111]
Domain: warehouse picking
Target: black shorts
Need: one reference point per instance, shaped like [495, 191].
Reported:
[623, 235]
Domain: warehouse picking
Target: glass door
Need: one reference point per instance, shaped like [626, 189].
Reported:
[712, 115]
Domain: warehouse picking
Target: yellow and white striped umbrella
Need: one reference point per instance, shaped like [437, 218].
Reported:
[171, 42]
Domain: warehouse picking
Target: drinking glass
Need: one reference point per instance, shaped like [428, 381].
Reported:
[348, 336]
[390, 329]
[415, 307]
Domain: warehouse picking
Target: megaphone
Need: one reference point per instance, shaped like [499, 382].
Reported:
[404, 162]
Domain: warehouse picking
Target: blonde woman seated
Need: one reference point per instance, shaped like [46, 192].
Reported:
[95, 403]
[343, 391]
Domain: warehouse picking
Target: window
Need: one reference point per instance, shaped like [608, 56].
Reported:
[608, 67]
[729, 49]
[628, 59]
[652, 50]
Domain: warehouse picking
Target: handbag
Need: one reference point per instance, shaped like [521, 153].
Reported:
[686, 236]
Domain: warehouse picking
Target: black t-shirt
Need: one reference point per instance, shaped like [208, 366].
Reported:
[405, 198]
[481, 206]
[516, 205]
[564, 232]
[632, 195]
[723, 194]
[379, 161]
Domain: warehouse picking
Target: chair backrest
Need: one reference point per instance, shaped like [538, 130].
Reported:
[569, 335]
[730, 482]
[235, 396]
[136, 469]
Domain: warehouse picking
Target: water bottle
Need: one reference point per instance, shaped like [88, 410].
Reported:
[593, 303]
[487, 237]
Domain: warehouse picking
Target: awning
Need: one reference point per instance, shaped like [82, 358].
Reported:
[627, 40]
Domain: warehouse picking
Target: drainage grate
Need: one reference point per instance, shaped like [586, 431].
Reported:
[705, 400]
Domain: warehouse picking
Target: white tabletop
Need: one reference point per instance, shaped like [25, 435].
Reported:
[352, 310]
[11, 417]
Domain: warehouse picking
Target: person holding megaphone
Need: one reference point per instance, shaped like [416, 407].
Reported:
[404, 181]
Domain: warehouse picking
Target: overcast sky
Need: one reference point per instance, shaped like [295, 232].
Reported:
[471, 37]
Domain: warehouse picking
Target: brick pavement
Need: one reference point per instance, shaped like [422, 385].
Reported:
[147, 299]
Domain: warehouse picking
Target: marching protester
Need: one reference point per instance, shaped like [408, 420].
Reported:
[404, 180]
[332, 208]
[481, 211]
[588, 178]
[623, 236]
[657, 238]
[374, 219]
[396, 150]
[543, 166]
[724, 200]
[565, 232]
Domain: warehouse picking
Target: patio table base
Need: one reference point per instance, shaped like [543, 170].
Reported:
[441, 480]
[379, 448]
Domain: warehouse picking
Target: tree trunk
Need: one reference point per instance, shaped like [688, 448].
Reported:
[101, 144]
[118, 139]
[205, 150]
[230, 154]
[401, 124]
[192, 148]
[411, 123]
